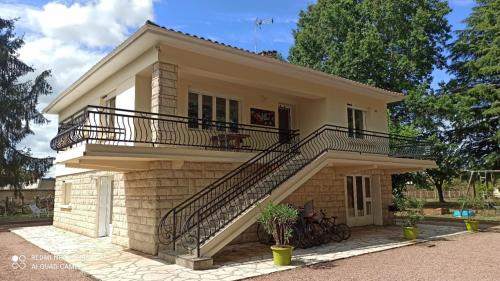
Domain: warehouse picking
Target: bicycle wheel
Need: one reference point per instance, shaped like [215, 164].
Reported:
[297, 237]
[344, 230]
[335, 234]
[263, 236]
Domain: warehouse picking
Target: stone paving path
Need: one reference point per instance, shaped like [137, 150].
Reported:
[106, 261]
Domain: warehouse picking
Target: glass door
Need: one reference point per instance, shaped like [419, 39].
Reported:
[284, 122]
[358, 200]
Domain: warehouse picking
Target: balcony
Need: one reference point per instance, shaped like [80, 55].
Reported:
[120, 127]
[113, 128]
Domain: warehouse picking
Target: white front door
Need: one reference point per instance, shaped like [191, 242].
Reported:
[105, 206]
[359, 205]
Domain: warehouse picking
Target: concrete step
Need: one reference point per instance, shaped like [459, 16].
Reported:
[187, 260]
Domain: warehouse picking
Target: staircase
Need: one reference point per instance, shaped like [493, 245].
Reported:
[204, 223]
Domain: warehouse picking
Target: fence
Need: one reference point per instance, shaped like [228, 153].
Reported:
[44, 198]
[433, 194]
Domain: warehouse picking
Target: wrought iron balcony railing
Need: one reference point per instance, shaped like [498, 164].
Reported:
[113, 126]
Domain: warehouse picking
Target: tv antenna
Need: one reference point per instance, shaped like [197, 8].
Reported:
[258, 25]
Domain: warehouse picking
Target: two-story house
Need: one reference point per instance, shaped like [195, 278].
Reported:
[170, 143]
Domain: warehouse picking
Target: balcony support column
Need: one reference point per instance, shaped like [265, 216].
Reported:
[163, 98]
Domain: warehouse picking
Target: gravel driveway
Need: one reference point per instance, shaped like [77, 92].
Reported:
[465, 257]
[32, 263]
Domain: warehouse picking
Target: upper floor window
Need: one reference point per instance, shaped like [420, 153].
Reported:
[193, 110]
[111, 104]
[225, 111]
[355, 122]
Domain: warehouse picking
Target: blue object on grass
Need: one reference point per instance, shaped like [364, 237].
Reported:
[465, 213]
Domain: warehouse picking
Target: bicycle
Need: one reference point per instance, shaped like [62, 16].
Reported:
[338, 232]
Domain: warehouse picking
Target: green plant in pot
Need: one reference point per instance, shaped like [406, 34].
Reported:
[469, 204]
[278, 220]
[411, 212]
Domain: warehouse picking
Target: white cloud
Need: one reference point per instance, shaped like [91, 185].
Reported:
[68, 39]
[95, 24]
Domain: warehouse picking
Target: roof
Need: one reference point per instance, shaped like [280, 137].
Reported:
[264, 54]
[153, 27]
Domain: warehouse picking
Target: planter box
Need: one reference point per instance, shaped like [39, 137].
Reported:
[436, 211]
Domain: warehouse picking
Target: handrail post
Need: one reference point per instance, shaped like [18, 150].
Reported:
[174, 228]
[198, 233]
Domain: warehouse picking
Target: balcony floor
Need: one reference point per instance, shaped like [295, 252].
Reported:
[132, 158]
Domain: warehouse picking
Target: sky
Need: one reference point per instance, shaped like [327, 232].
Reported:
[69, 37]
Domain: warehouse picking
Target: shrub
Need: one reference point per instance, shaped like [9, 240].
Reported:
[411, 210]
[472, 203]
[277, 220]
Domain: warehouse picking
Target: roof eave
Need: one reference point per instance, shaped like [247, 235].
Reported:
[386, 95]
[48, 108]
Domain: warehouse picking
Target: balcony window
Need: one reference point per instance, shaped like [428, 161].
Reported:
[234, 114]
[220, 113]
[206, 111]
[223, 109]
[193, 110]
[355, 122]
[111, 105]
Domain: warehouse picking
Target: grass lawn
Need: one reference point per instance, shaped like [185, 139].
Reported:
[450, 204]
[453, 204]
[495, 218]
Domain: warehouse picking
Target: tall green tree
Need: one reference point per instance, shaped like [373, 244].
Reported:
[475, 88]
[428, 111]
[392, 44]
[18, 100]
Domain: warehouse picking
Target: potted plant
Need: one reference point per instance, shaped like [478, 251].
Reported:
[470, 206]
[278, 220]
[411, 212]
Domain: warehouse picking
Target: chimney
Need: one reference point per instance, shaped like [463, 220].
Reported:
[271, 54]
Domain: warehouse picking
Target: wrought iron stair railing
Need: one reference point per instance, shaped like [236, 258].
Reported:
[202, 216]
[114, 126]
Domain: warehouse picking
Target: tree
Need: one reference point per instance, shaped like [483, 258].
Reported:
[430, 110]
[390, 44]
[474, 91]
[18, 101]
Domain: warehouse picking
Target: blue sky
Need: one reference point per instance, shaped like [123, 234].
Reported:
[69, 37]
[233, 21]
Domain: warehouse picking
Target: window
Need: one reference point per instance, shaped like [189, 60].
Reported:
[225, 111]
[368, 195]
[355, 122]
[193, 110]
[111, 102]
[359, 196]
[206, 111]
[350, 197]
[110, 120]
[66, 193]
[220, 113]
[234, 115]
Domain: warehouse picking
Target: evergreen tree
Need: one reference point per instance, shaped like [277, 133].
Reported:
[18, 101]
[475, 88]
